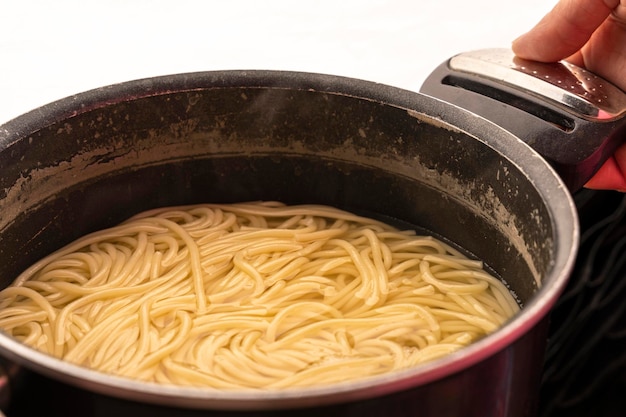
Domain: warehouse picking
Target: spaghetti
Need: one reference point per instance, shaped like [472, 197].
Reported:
[253, 295]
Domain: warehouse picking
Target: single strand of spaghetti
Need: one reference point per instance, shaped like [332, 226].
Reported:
[272, 292]
[291, 293]
[404, 309]
[355, 306]
[471, 306]
[345, 341]
[327, 285]
[333, 371]
[304, 209]
[255, 235]
[22, 319]
[156, 265]
[341, 264]
[390, 234]
[208, 348]
[69, 261]
[116, 259]
[315, 327]
[176, 302]
[250, 340]
[256, 366]
[177, 215]
[301, 224]
[133, 263]
[405, 323]
[142, 270]
[80, 322]
[181, 333]
[422, 290]
[206, 218]
[363, 270]
[323, 266]
[419, 339]
[114, 353]
[216, 264]
[231, 372]
[429, 277]
[75, 334]
[271, 244]
[184, 375]
[461, 338]
[505, 302]
[345, 295]
[90, 262]
[31, 335]
[126, 258]
[404, 267]
[196, 218]
[225, 324]
[143, 337]
[26, 307]
[63, 273]
[501, 293]
[332, 233]
[288, 272]
[99, 275]
[377, 266]
[46, 342]
[370, 291]
[194, 258]
[390, 348]
[59, 288]
[433, 352]
[481, 322]
[238, 285]
[280, 267]
[169, 246]
[451, 326]
[14, 292]
[292, 222]
[304, 311]
[94, 310]
[242, 315]
[453, 261]
[288, 358]
[421, 244]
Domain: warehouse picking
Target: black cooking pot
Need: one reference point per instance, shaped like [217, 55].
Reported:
[92, 160]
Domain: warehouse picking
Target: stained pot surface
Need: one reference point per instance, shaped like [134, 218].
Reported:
[92, 160]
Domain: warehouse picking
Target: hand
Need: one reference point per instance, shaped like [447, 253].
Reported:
[592, 35]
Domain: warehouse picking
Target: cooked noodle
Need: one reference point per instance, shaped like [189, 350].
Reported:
[253, 295]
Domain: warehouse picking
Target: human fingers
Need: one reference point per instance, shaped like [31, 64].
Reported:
[605, 53]
[612, 174]
[564, 30]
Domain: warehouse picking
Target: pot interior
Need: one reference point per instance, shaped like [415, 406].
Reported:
[91, 161]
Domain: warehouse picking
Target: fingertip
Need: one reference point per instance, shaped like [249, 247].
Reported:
[608, 177]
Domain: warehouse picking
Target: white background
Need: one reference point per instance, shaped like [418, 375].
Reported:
[52, 49]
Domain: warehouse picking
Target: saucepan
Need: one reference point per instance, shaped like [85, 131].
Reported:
[458, 166]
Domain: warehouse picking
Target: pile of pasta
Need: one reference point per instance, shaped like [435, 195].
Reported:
[253, 295]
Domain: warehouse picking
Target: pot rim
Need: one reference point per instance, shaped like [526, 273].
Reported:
[546, 181]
